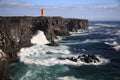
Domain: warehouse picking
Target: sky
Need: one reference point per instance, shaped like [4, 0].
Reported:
[85, 9]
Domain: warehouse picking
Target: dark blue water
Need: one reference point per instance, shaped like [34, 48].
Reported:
[101, 39]
[95, 38]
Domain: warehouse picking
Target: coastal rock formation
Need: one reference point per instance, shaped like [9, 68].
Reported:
[59, 26]
[90, 58]
[16, 32]
[4, 69]
[74, 24]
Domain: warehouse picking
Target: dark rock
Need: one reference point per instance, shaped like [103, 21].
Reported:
[84, 55]
[60, 58]
[72, 59]
[88, 60]
[79, 57]
[49, 52]
[84, 58]
[4, 69]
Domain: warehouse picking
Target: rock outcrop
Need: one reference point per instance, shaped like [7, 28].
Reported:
[16, 32]
[4, 69]
[90, 58]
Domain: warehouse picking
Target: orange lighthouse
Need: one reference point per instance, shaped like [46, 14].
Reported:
[42, 12]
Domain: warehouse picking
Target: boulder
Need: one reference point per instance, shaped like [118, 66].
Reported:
[72, 59]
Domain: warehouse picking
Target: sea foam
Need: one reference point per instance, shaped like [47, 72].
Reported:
[37, 55]
[117, 47]
[114, 43]
[39, 38]
[69, 78]
[106, 25]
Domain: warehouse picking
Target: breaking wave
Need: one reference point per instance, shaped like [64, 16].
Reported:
[106, 25]
[37, 55]
[114, 45]
[39, 38]
[69, 78]
[117, 48]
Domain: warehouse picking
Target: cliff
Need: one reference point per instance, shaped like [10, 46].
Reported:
[16, 32]
[4, 69]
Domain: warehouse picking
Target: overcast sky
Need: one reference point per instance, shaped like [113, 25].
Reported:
[88, 9]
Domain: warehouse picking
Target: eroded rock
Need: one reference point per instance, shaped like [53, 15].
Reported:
[90, 58]
[4, 69]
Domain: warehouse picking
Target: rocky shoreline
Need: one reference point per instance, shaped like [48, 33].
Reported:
[16, 33]
[90, 58]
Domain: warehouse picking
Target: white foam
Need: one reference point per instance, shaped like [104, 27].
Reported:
[82, 42]
[91, 27]
[37, 54]
[79, 32]
[106, 25]
[31, 56]
[69, 78]
[58, 38]
[117, 32]
[39, 38]
[90, 40]
[114, 43]
[117, 47]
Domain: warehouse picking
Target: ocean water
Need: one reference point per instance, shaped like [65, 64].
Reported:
[101, 39]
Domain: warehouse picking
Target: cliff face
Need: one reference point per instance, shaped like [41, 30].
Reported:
[4, 70]
[74, 24]
[59, 26]
[16, 32]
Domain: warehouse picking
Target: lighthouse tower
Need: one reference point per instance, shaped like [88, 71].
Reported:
[42, 12]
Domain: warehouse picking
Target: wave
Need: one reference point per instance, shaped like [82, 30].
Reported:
[92, 27]
[81, 42]
[117, 32]
[117, 48]
[79, 32]
[90, 40]
[106, 25]
[114, 43]
[34, 57]
[39, 38]
[37, 52]
[69, 78]
[28, 74]
[58, 38]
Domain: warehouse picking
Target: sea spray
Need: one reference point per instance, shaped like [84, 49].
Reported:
[37, 55]
[39, 38]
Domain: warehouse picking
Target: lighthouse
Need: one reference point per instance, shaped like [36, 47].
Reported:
[42, 12]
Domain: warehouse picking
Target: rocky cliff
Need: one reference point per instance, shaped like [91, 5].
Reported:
[16, 32]
[4, 69]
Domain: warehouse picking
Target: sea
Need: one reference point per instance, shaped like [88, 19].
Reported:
[40, 62]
